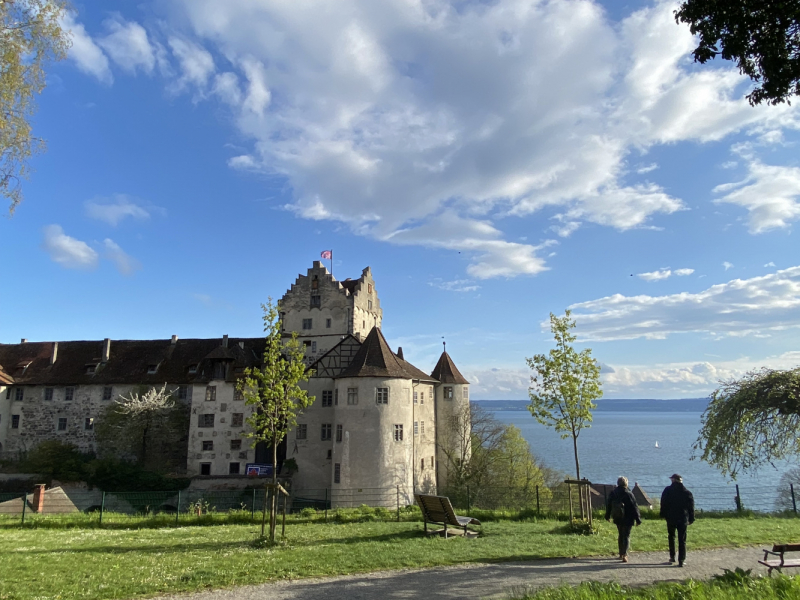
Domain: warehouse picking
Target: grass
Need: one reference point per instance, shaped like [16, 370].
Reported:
[121, 561]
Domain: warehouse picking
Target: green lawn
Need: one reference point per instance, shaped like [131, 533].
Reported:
[46, 563]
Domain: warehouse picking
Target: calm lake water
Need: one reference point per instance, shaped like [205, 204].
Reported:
[622, 441]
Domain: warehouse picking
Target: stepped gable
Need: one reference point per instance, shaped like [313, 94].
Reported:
[376, 359]
[446, 371]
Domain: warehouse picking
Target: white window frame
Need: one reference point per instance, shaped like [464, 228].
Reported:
[352, 396]
[382, 395]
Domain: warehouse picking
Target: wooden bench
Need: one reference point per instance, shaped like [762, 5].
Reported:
[439, 511]
[781, 562]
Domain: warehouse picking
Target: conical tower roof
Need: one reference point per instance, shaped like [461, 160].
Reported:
[446, 371]
[376, 359]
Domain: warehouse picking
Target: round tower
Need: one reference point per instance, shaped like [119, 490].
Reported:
[452, 420]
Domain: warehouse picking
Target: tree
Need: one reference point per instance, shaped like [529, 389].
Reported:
[273, 390]
[31, 38]
[752, 421]
[467, 441]
[762, 36]
[130, 426]
[565, 384]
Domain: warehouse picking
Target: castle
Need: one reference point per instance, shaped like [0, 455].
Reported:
[377, 421]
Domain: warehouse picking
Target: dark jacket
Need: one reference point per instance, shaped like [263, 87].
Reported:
[625, 496]
[677, 504]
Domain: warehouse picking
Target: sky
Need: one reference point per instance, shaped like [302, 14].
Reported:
[492, 161]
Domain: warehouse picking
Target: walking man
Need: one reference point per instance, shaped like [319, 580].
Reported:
[621, 507]
[677, 507]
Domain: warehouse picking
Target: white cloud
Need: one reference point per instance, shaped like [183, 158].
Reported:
[115, 209]
[124, 263]
[769, 193]
[727, 265]
[497, 383]
[739, 307]
[665, 274]
[770, 264]
[128, 45]
[457, 285]
[68, 251]
[683, 272]
[197, 64]
[647, 168]
[86, 55]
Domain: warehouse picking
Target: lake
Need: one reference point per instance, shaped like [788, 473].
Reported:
[622, 441]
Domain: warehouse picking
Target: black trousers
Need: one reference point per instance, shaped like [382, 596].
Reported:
[624, 537]
[680, 529]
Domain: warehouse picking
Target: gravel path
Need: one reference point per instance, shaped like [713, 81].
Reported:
[495, 580]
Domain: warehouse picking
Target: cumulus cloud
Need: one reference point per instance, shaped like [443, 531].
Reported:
[664, 274]
[123, 262]
[196, 63]
[727, 265]
[67, 251]
[739, 307]
[128, 45]
[769, 193]
[457, 285]
[115, 209]
[86, 55]
[770, 264]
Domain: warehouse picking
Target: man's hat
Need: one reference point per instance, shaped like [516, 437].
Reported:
[676, 477]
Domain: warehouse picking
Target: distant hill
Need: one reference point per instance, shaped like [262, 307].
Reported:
[611, 405]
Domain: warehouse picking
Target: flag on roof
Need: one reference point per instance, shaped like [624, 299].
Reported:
[327, 254]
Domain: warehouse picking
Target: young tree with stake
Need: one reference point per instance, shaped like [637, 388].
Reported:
[274, 390]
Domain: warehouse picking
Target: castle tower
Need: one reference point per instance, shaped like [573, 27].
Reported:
[452, 418]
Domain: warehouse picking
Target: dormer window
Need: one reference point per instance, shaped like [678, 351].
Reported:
[192, 369]
[91, 369]
[151, 369]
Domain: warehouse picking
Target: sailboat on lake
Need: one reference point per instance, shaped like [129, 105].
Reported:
[657, 446]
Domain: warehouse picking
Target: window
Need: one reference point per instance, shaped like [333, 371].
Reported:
[382, 395]
[220, 370]
[369, 304]
[352, 396]
[416, 427]
[326, 432]
[206, 420]
[211, 393]
[422, 464]
[307, 323]
[183, 392]
[316, 300]
[465, 393]
[88, 424]
[238, 395]
[313, 346]
[448, 393]
[48, 394]
[91, 369]
[369, 288]
[416, 397]
[339, 433]
[431, 462]
[233, 468]
[19, 394]
[363, 324]
[243, 455]
[337, 473]
[108, 391]
[236, 444]
[327, 398]
[192, 369]
[151, 369]
[69, 394]
[422, 427]
[302, 431]
[330, 454]
[205, 468]
[14, 421]
[398, 433]
[62, 423]
[336, 397]
[422, 397]
[237, 419]
[208, 446]
[327, 323]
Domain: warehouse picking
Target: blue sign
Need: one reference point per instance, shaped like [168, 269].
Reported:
[258, 470]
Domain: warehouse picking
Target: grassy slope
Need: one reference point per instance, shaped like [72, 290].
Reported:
[101, 563]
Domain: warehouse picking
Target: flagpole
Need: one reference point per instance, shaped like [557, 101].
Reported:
[331, 263]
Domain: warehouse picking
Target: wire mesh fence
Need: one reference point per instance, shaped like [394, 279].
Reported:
[171, 508]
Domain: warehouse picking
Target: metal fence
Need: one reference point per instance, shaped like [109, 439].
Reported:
[191, 506]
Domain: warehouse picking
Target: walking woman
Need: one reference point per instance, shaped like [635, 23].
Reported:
[621, 507]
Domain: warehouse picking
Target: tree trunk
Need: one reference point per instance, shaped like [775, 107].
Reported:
[273, 517]
[578, 470]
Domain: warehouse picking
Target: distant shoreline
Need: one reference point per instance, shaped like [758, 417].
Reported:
[611, 405]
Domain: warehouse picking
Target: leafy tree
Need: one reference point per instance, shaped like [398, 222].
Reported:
[467, 442]
[54, 459]
[31, 38]
[762, 36]
[130, 427]
[565, 385]
[752, 421]
[273, 390]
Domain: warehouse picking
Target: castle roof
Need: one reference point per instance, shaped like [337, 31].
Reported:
[446, 371]
[376, 359]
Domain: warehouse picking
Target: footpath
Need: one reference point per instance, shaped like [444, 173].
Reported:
[499, 580]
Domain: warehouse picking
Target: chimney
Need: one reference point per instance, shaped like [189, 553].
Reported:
[54, 355]
[400, 352]
[225, 341]
[174, 339]
[106, 349]
[38, 498]
[23, 341]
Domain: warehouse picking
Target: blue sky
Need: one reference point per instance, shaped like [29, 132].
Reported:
[491, 161]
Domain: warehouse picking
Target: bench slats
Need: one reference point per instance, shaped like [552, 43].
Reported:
[781, 562]
[439, 510]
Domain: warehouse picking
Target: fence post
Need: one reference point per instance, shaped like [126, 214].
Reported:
[102, 507]
[538, 511]
[283, 525]
[326, 505]
[398, 503]
[178, 509]
[569, 490]
[794, 502]
[253, 506]
[24, 505]
[738, 499]
[469, 503]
